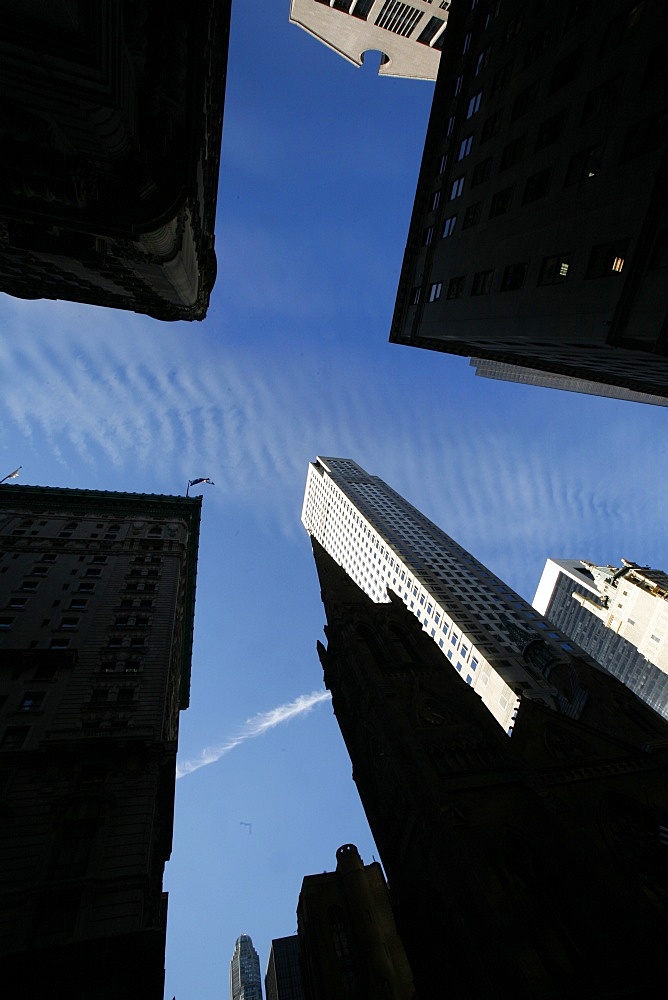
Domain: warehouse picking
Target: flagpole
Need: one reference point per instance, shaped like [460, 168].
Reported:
[11, 475]
[187, 488]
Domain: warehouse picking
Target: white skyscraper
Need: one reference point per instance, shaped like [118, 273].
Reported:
[478, 622]
[619, 615]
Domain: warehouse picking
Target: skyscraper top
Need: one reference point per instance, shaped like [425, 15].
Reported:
[245, 982]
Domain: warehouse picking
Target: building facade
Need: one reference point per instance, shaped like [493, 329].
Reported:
[549, 380]
[539, 230]
[97, 594]
[245, 980]
[518, 868]
[348, 940]
[619, 615]
[409, 33]
[111, 129]
[384, 543]
[283, 980]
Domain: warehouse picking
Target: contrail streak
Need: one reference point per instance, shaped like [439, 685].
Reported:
[255, 726]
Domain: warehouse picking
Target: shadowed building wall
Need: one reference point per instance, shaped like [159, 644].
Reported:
[283, 980]
[110, 122]
[97, 591]
[538, 238]
[348, 940]
[526, 867]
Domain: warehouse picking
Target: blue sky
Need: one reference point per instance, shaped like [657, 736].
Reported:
[318, 173]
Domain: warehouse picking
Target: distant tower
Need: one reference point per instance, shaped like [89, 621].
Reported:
[283, 980]
[519, 868]
[619, 615]
[348, 941]
[245, 981]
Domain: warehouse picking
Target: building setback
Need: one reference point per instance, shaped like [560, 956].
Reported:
[619, 615]
[283, 979]
[408, 33]
[97, 594]
[348, 939]
[245, 980]
[538, 237]
[522, 868]
[383, 542]
[111, 129]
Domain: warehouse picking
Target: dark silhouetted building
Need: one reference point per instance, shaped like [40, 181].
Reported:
[283, 980]
[110, 122]
[539, 234]
[348, 939]
[245, 980]
[618, 614]
[526, 867]
[97, 593]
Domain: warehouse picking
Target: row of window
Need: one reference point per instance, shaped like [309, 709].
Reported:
[605, 260]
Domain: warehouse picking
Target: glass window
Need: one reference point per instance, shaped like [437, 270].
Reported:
[554, 270]
[456, 287]
[537, 186]
[472, 215]
[482, 282]
[448, 226]
[501, 202]
[456, 188]
[474, 104]
[514, 276]
[465, 147]
[607, 259]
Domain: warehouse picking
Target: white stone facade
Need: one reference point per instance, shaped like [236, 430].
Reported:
[383, 542]
[408, 32]
[630, 600]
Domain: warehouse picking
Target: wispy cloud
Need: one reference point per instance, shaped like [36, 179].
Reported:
[253, 727]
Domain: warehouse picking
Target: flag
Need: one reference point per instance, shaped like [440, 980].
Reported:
[204, 479]
[14, 474]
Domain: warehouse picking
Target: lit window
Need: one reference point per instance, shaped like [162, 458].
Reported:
[554, 270]
[606, 259]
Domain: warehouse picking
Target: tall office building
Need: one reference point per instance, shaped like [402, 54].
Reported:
[283, 980]
[619, 615]
[245, 981]
[408, 33]
[97, 594]
[539, 233]
[383, 543]
[549, 380]
[348, 939]
[111, 128]
[518, 868]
